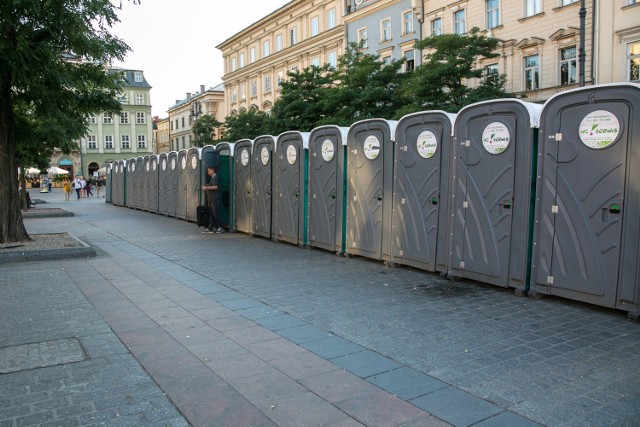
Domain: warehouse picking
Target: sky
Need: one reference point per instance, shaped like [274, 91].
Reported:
[174, 42]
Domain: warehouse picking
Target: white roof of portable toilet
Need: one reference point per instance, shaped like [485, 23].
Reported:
[533, 109]
[303, 135]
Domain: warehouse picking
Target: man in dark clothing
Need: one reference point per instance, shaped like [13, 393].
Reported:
[213, 199]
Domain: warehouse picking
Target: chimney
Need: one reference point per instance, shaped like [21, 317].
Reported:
[177, 100]
[188, 95]
[202, 89]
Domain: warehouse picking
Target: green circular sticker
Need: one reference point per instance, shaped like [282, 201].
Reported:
[427, 144]
[599, 129]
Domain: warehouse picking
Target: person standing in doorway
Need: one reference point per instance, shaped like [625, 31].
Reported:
[213, 199]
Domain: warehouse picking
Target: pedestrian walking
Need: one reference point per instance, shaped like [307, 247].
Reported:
[77, 185]
[83, 185]
[98, 186]
[87, 189]
[66, 186]
[213, 200]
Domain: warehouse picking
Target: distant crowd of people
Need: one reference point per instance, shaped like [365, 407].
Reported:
[83, 187]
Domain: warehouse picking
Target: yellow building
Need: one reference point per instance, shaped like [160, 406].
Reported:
[297, 35]
[161, 136]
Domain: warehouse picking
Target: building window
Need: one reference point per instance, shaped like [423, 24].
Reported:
[491, 70]
[91, 142]
[124, 139]
[409, 60]
[567, 2]
[142, 141]
[332, 59]
[633, 59]
[108, 141]
[107, 118]
[140, 118]
[293, 36]
[532, 7]
[171, 123]
[124, 99]
[436, 27]
[568, 65]
[182, 121]
[331, 19]
[362, 38]
[407, 22]
[459, 24]
[531, 72]
[124, 118]
[241, 59]
[137, 76]
[267, 84]
[266, 48]
[93, 120]
[280, 77]
[315, 26]
[386, 60]
[493, 13]
[254, 88]
[139, 99]
[278, 42]
[243, 94]
[176, 124]
[234, 95]
[385, 30]
[233, 64]
[252, 55]
[315, 62]
[183, 143]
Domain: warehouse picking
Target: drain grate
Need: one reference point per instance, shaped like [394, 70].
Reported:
[39, 355]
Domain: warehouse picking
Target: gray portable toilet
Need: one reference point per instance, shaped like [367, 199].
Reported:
[194, 172]
[181, 185]
[327, 181]
[130, 183]
[153, 183]
[225, 170]
[163, 184]
[108, 183]
[492, 190]
[369, 187]
[122, 179]
[261, 181]
[290, 186]
[172, 183]
[144, 183]
[422, 159]
[140, 183]
[587, 220]
[242, 185]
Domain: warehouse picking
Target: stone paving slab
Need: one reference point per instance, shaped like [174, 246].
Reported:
[40, 355]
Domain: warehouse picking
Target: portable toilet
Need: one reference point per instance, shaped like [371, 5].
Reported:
[327, 181]
[587, 220]
[153, 183]
[369, 187]
[422, 155]
[172, 183]
[290, 186]
[225, 171]
[130, 183]
[181, 185]
[108, 183]
[119, 170]
[242, 185]
[208, 156]
[194, 172]
[144, 183]
[493, 186]
[261, 176]
[140, 186]
[164, 198]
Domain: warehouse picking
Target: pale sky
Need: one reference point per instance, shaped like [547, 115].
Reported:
[173, 42]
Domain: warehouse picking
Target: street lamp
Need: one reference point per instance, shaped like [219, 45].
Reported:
[196, 110]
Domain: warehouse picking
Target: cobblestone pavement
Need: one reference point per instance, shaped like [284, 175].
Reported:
[288, 336]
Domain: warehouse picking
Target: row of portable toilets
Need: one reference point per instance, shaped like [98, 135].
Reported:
[544, 199]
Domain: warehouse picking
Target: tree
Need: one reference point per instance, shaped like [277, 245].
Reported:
[205, 128]
[51, 56]
[441, 81]
[247, 124]
[301, 106]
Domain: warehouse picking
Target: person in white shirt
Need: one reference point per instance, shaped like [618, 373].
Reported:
[77, 185]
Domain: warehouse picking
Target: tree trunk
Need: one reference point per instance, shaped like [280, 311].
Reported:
[12, 228]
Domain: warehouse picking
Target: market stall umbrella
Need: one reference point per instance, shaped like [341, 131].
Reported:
[54, 170]
[32, 171]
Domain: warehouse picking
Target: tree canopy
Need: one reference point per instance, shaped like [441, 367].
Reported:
[205, 128]
[52, 56]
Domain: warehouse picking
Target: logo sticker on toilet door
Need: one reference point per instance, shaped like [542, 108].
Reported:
[496, 138]
[292, 154]
[264, 155]
[194, 162]
[164, 164]
[372, 147]
[327, 150]
[427, 144]
[244, 157]
[599, 129]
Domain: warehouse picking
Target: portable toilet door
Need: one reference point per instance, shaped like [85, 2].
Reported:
[140, 183]
[153, 184]
[327, 181]
[261, 181]
[369, 187]
[163, 184]
[145, 190]
[118, 178]
[492, 191]
[421, 190]
[181, 185]
[225, 169]
[587, 226]
[242, 213]
[171, 183]
[108, 183]
[194, 171]
[290, 187]
[131, 182]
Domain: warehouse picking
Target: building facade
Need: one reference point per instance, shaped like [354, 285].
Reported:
[161, 136]
[388, 28]
[299, 34]
[183, 114]
[111, 137]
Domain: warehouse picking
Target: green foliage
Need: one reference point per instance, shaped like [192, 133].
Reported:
[205, 128]
[248, 124]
